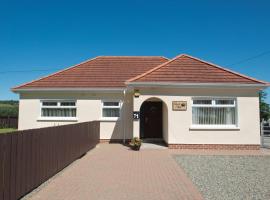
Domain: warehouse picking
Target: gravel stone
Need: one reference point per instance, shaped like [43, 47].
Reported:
[223, 177]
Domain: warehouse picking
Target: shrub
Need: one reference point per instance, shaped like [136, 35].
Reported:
[135, 143]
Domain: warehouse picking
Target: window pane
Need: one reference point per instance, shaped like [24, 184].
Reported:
[111, 112]
[213, 115]
[68, 103]
[58, 112]
[202, 101]
[49, 103]
[224, 102]
[111, 103]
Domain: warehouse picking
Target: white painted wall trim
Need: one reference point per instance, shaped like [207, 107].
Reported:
[214, 127]
[195, 85]
[109, 119]
[69, 119]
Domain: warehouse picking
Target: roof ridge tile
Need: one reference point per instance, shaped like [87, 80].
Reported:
[132, 56]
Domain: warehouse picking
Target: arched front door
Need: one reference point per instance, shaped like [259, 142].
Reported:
[151, 119]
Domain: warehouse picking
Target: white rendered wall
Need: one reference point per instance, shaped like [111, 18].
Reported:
[180, 122]
[89, 108]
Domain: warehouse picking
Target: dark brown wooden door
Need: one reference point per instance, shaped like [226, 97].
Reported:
[151, 120]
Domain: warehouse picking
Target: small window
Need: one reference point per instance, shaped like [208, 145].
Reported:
[202, 101]
[224, 102]
[58, 109]
[111, 109]
[49, 103]
[68, 103]
[111, 103]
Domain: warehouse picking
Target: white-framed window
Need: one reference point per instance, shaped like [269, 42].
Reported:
[58, 109]
[214, 112]
[111, 109]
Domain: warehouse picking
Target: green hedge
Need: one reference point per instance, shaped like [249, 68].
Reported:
[7, 110]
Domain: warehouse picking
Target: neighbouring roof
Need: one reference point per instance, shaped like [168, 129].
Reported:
[187, 69]
[102, 71]
[117, 71]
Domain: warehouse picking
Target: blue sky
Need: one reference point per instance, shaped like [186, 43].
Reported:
[51, 35]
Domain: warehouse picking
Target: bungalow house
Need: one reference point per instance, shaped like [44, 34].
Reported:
[185, 101]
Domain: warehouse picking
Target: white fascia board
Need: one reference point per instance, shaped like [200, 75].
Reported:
[75, 90]
[195, 85]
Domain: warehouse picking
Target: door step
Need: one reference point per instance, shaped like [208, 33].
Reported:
[153, 144]
[153, 140]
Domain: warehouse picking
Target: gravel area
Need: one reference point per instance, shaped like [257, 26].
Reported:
[226, 177]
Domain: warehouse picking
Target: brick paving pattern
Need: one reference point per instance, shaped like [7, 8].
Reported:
[112, 171]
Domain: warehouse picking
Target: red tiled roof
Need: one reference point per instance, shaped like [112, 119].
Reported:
[116, 71]
[103, 71]
[187, 69]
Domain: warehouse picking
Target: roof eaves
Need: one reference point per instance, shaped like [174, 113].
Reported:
[197, 85]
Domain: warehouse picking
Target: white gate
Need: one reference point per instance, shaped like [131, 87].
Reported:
[265, 134]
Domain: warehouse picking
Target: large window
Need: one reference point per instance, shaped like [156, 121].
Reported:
[214, 112]
[58, 109]
[111, 109]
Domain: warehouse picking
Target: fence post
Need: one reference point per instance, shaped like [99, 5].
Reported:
[262, 133]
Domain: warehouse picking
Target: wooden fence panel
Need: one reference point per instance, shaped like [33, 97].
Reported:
[8, 122]
[13, 159]
[19, 172]
[7, 166]
[2, 143]
[30, 157]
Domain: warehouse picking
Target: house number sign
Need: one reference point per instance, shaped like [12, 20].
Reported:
[136, 115]
[179, 105]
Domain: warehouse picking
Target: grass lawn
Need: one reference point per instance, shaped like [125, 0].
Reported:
[7, 130]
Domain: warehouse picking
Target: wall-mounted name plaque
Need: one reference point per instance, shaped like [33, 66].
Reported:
[179, 105]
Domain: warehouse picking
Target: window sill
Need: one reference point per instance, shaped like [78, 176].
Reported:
[213, 127]
[109, 119]
[66, 119]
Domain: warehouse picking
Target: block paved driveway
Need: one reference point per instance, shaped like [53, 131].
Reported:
[112, 171]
